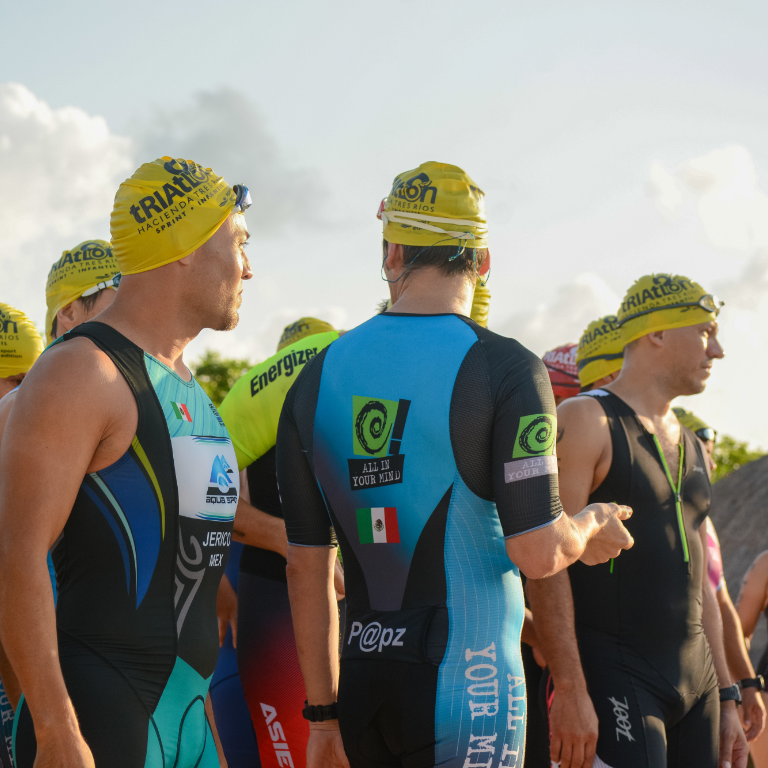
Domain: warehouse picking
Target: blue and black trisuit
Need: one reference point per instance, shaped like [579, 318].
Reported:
[424, 441]
[138, 566]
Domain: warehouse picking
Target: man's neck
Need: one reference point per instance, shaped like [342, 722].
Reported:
[427, 291]
[644, 391]
[158, 326]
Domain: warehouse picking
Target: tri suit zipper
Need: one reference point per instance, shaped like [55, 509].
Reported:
[677, 490]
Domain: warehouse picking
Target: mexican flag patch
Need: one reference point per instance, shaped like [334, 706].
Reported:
[181, 411]
[378, 525]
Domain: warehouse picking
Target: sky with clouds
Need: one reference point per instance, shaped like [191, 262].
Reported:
[611, 139]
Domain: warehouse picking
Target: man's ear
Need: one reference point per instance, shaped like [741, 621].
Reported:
[656, 338]
[66, 315]
[394, 260]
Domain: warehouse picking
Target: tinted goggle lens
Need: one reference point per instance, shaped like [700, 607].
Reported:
[243, 200]
[706, 434]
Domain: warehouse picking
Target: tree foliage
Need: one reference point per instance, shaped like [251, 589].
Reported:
[217, 374]
[730, 454]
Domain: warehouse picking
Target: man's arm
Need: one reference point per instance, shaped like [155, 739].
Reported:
[753, 595]
[584, 456]
[310, 573]
[753, 709]
[54, 436]
[573, 721]
[733, 744]
[258, 529]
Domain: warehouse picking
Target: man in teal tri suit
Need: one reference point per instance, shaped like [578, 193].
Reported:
[123, 467]
[425, 444]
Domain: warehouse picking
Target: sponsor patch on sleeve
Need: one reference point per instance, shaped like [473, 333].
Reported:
[524, 469]
[535, 436]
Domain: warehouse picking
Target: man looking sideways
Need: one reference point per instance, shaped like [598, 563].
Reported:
[114, 457]
[426, 442]
[637, 664]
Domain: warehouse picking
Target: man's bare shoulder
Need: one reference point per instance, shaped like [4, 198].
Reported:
[584, 412]
[75, 392]
[76, 370]
[582, 429]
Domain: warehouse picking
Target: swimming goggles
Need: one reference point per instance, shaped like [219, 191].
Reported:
[707, 302]
[113, 283]
[243, 200]
[706, 434]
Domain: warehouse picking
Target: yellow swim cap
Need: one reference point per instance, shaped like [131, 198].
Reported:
[166, 210]
[660, 302]
[20, 342]
[601, 350]
[307, 326]
[694, 423]
[435, 204]
[85, 266]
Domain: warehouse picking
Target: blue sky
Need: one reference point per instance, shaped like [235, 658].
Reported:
[558, 110]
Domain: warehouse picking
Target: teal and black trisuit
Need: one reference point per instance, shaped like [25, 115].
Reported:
[423, 441]
[645, 657]
[138, 566]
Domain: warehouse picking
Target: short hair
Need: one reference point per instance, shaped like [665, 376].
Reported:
[444, 257]
[88, 302]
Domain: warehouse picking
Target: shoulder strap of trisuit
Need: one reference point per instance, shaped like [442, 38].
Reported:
[152, 444]
[618, 481]
[127, 357]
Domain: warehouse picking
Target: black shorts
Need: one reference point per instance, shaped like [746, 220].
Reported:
[649, 719]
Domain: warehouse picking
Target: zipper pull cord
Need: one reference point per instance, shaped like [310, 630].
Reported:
[677, 492]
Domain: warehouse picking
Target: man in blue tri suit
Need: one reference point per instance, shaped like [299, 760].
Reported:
[114, 458]
[425, 445]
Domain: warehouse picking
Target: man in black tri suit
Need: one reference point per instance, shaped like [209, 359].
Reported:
[114, 458]
[426, 443]
[631, 643]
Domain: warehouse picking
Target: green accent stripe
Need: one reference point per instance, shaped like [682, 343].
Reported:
[677, 491]
[136, 445]
[365, 526]
[113, 501]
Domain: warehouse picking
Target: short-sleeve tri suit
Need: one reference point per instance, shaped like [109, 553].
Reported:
[138, 566]
[424, 441]
[267, 659]
[639, 626]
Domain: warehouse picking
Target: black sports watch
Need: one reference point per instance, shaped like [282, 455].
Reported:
[317, 713]
[731, 693]
[753, 682]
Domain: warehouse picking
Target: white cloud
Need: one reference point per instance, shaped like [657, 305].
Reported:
[224, 129]
[60, 170]
[562, 319]
[732, 209]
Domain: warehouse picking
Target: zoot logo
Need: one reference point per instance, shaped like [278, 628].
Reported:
[621, 711]
[377, 432]
[373, 635]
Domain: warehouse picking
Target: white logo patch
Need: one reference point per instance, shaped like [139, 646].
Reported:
[523, 469]
[207, 477]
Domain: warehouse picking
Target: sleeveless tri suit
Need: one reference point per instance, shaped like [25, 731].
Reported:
[424, 441]
[138, 566]
[645, 657]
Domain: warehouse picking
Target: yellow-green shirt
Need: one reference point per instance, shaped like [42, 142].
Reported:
[251, 409]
